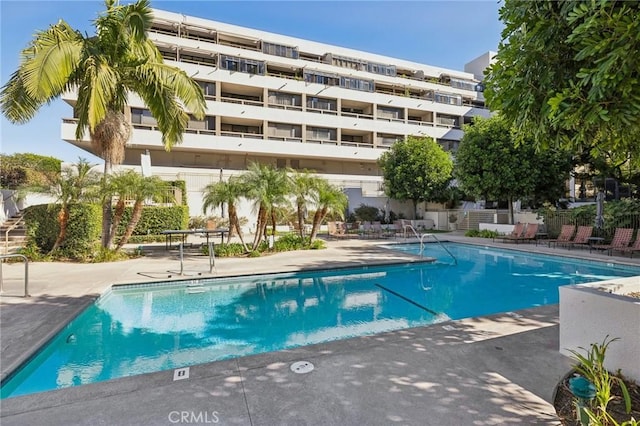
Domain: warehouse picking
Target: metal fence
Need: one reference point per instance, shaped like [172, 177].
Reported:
[554, 221]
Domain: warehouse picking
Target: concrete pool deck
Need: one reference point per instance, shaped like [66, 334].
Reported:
[499, 369]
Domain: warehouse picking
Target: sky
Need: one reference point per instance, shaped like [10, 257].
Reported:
[445, 33]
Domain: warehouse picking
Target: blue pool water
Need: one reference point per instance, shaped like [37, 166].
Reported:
[145, 328]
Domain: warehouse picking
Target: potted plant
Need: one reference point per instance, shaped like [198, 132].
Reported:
[453, 218]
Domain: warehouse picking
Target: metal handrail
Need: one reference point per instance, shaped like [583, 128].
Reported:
[421, 239]
[9, 229]
[26, 272]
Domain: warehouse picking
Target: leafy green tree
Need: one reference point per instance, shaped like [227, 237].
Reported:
[75, 184]
[142, 188]
[268, 187]
[566, 74]
[415, 169]
[490, 166]
[229, 193]
[28, 171]
[328, 199]
[105, 68]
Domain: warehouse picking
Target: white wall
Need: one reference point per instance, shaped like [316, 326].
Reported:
[588, 315]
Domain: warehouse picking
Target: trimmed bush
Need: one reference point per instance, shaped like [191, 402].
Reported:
[83, 230]
[156, 219]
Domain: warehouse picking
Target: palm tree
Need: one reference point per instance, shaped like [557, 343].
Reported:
[142, 188]
[328, 199]
[268, 187]
[217, 194]
[119, 185]
[75, 184]
[302, 185]
[104, 69]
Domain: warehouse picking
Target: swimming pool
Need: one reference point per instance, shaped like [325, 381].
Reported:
[145, 328]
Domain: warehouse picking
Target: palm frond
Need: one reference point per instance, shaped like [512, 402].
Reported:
[15, 102]
[50, 59]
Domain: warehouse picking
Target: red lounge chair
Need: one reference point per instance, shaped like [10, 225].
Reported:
[565, 235]
[529, 233]
[518, 228]
[634, 248]
[582, 236]
[621, 240]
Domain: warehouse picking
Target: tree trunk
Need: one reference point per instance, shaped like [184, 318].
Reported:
[117, 218]
[273, 226]
[234, 223]
[511, 215]
[260, 227]
[135, 218]
[301, 219]
[317, 220]
[63, 220]
[106, 209]
[415, 208]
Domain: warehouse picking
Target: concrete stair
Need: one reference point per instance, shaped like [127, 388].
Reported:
[17, 235]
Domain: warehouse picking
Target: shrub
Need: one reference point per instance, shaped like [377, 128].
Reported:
[83, 229]
[225, 250]
[485, 233]
[155, 219]
[368, 213]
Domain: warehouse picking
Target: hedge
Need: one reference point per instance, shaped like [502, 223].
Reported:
[83, 229]
[156, 219]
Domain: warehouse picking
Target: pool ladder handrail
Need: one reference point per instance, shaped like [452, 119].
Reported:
[26, 272]
[212, 258]
[421, 238]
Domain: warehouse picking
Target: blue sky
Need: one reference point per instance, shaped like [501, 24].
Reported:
[440, 33]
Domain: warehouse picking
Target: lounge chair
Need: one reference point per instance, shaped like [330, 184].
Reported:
[529, 233]
[621, 240]
[336, 230]
[376, 229]
[634, 248]
[518, 228]
[565, 235]
[581, 238]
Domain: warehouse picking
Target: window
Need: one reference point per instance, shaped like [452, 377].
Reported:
[322, 103]
[463, 84]
[321, 78]
[142, 116]
[248, 66]
[282, 98]
[279, 50]
[283, 130]
[295, 163]
[208, 88]
[281, 163]
[389, 70]
[357, 84]
[450, 99]
[390, 113]
[321, 133]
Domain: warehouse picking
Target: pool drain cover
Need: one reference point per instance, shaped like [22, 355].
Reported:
[302, 367]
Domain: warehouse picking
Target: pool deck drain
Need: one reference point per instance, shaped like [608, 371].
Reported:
[302, 367]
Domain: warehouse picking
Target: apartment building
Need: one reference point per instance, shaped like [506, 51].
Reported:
[294, 103]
